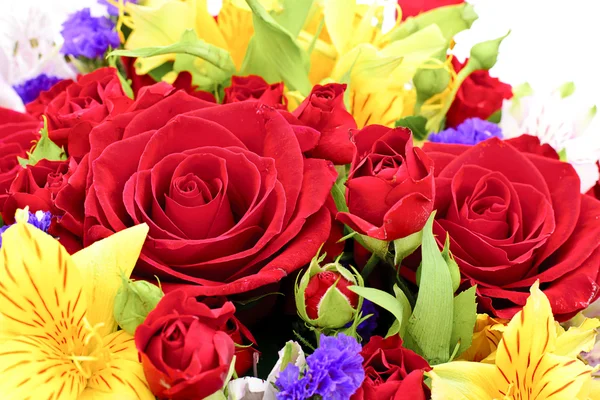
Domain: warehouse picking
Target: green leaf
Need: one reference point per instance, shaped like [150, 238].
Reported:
[429, 327]
[496, 117]
[452, 265]
[562, 155]
[416, 124]
[1, 221]
[405, 246]
[450, 20]
[44, 149]
[465, 315]
[339, 198]
[210, 65]
[293, 16]
[567, 89]
[160, 71]
[388, 302]
[274, 54]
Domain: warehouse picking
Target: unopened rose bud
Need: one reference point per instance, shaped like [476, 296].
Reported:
[133, 302]
[317, 291]
[430, 81]
[323, 298]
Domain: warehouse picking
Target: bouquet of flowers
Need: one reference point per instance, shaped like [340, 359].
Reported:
[288, 199]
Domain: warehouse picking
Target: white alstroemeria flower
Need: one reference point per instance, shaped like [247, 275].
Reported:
[558, 122]
[249, 388]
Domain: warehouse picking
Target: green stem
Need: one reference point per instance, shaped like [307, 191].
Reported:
[370, 266]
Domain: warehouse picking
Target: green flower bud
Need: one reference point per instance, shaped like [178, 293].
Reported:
[134, 301]
[430, 81]
[485, 54]
[322, 296]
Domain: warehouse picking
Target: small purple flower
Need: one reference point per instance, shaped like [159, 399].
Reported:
[112, 10]
[88, 36]
[41, 220]
[470, 132]
[368, 326]
[334, 371]
[29, 90]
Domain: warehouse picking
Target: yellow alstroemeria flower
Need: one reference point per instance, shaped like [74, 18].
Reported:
[351, 48]
[486, 336]
[163, 22]
[531, 363]
[58, 334]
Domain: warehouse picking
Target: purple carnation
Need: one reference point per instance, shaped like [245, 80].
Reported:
[88, 36]
[334, 371]
[470, 132]
[29, 90]
[112, 10]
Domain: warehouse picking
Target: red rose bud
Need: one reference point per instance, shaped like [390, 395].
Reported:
[320, 284]
[324, 110]
[323, 298]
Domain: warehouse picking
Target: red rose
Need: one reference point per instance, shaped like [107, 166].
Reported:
[36, 186]
[37, 107]
[79, 106]
[515, 217]
[255, 88]
[320, 284]
[71, 198]
[389, 181]
[185, 352]
[231, 209]
[392, 372]
[595, 190]
[479, 96]
[17, 133]
[324, 110]
[412, 8]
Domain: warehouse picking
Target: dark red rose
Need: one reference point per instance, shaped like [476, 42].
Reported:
[595, 190]
[79, 106]
[324, 110]
[36, 187]
[389, 180]
[411, 8]
[72, 197]
[255, 88]
[37, 107]
[479, 96]
[184, 349]
[183, 81]
[17, 134]
[320, 284]
[513, 218]
[392, 372]
[230, 210]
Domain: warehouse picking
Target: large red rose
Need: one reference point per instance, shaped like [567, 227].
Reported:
[17, 134]
[184, 349]
[255, 88]
[411, 8]
[231, 202]
[479, 96]
[74, 108]
[324, 110]
[515, 216]
[390, 188]
[392, 372]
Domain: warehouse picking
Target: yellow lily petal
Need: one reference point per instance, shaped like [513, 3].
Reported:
[529, 335]
[485, 339]
[235, 24]
[206, 26]
[382, 108]
[123, 377]
[32, 368]
[102, 265]
[40, 288]
[339, 19]
[557, 378]
[463, 380]
[577, 339]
